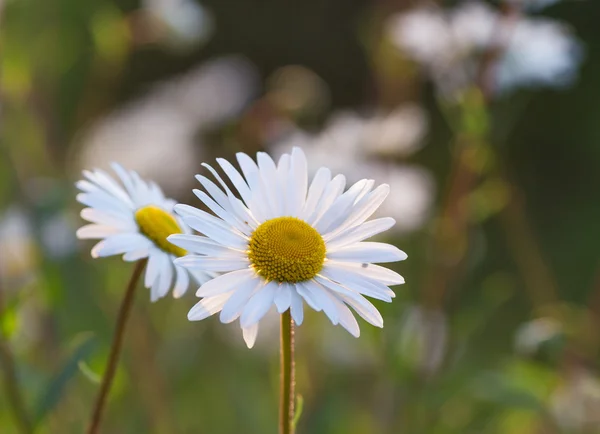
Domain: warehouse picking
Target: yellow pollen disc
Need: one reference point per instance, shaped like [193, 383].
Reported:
[157, 225]
[286, 249]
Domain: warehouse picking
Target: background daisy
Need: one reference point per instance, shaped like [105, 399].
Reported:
[134, 220]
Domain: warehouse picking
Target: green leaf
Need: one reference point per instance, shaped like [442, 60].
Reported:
[85, 343]
[89, 372]
[298, 413]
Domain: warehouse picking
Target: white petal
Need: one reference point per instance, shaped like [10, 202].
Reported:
[225, 236]
[347, 319]
[297, 183]
[86, 186]
[236, 179]
[367, 251]
[158, 196]
[103, 201]
[364, 308]
[297, 307]
[363, 209]
[359, 233]
[212, 264]
[225, 283]
[331, 193]
[117, 244]
[360, 304]
[239, 212]
[234, 306]
[202, 245]
[94, 232]
[250, 171]
[260, 207]
[258, 305]
[154, 292]
[207, 307]
[153, 268]
[125, 179]
[372, 271]
[283, 183]
[357, 283]
[201, 277]
[216, 193]
[340, 209]
[104, 180]
[165, 275]
[226, 216]
[136, 255]
[318, 185]
[120, 221]
[308, 296]
[186, 211]
[318, 296]
[283, 297]
[271, 194]
[182, 282]
[250, 334]
[143, 192]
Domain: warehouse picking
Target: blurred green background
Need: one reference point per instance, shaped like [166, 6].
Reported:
[495, 190]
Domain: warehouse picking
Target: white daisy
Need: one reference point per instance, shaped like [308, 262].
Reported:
[135, 221]
[285, 242]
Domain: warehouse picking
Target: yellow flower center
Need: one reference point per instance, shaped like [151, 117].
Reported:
[157, 225]
[286, 249]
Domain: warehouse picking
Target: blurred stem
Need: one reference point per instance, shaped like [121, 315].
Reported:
[594, 307]
[155, 394]
[287, 378]
[115, 349]
[537, 275]
[11, 383]
[450, 237]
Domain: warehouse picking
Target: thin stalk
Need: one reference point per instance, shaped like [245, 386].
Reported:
[287, 393]
[11, 383]
[115, 350]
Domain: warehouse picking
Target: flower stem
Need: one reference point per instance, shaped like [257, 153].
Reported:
[115, 350]
[11, 384]
[287, 378]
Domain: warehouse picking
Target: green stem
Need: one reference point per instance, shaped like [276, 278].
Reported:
[288, 382]
[11, 383]
[115, 350]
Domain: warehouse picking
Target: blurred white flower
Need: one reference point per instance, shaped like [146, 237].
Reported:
[423, 338]
[533, 5]
[541, 52]
[58, 235]
[473, 26]
[400, 132]
[534, 333]
[185, 21]
[350, 144]
[298, 90]
[157, 134]
[412, 194]
[423, 33]
[449, 44]
[575, 403]
[17, 244]
[342, 137]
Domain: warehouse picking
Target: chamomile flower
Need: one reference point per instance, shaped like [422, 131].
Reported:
[135, 220]
[284, 242]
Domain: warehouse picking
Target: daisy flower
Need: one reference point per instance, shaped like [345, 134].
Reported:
[284, 242]
[135, 220]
